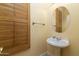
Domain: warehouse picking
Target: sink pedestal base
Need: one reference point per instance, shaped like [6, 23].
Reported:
[53, 51]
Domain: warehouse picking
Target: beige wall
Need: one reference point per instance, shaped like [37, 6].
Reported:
[73, 31]
[43, 13]
[39, 33]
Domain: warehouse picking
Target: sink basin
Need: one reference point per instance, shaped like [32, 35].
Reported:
[61, 43]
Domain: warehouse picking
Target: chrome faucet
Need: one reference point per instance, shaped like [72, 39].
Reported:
[54, 36]
[58, 38]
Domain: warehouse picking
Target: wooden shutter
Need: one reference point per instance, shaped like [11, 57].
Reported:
[14, 28]
[21, 36]
[6, 34]
[6, 12]
[20, 12]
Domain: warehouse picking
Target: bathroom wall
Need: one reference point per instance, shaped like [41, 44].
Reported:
[39, 33]
[72, 32]
[43, 13]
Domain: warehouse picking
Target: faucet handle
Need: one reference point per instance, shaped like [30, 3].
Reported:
[54, 36]
[58, 37]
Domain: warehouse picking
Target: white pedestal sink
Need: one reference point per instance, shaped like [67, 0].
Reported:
[58, 43]
[61, 43]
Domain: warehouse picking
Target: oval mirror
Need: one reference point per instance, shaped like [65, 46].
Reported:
[62, 19]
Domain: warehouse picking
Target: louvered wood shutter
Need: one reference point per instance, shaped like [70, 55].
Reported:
[14, 27]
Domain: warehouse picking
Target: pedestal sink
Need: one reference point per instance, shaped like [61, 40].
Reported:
[58, 42]
[55, 44]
